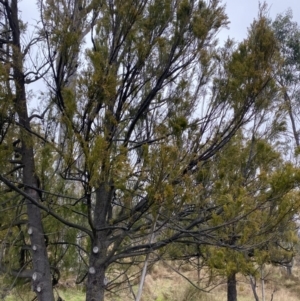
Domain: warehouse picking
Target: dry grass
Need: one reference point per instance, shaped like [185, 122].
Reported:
[163, 284]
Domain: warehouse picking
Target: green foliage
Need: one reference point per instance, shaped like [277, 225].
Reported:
[287, 33]
[130, 156]
[287, 73]
[259, 196]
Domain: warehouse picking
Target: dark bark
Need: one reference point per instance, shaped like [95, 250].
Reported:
[41, 277]
[289, 267]
[231, 287]
[98, 256]
[96, 279]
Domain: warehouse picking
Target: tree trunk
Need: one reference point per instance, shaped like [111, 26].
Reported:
[42, 281]
[293, 121]
[289, 270]
[96, 280]
[41, 276]
[97, 265]
[289, 267]
[262, 283]
[231, 287]
[144, 272]
[253, 286]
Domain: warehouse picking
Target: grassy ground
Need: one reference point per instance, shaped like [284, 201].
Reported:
[277, 284]
[163, 284]
[164, 287]
[70, 294]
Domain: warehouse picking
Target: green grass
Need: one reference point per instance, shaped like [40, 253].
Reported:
[67, 295]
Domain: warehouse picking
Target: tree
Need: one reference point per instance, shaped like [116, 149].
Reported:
[287, 34]
[12, 60]
[153, 101]
[257, 190]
